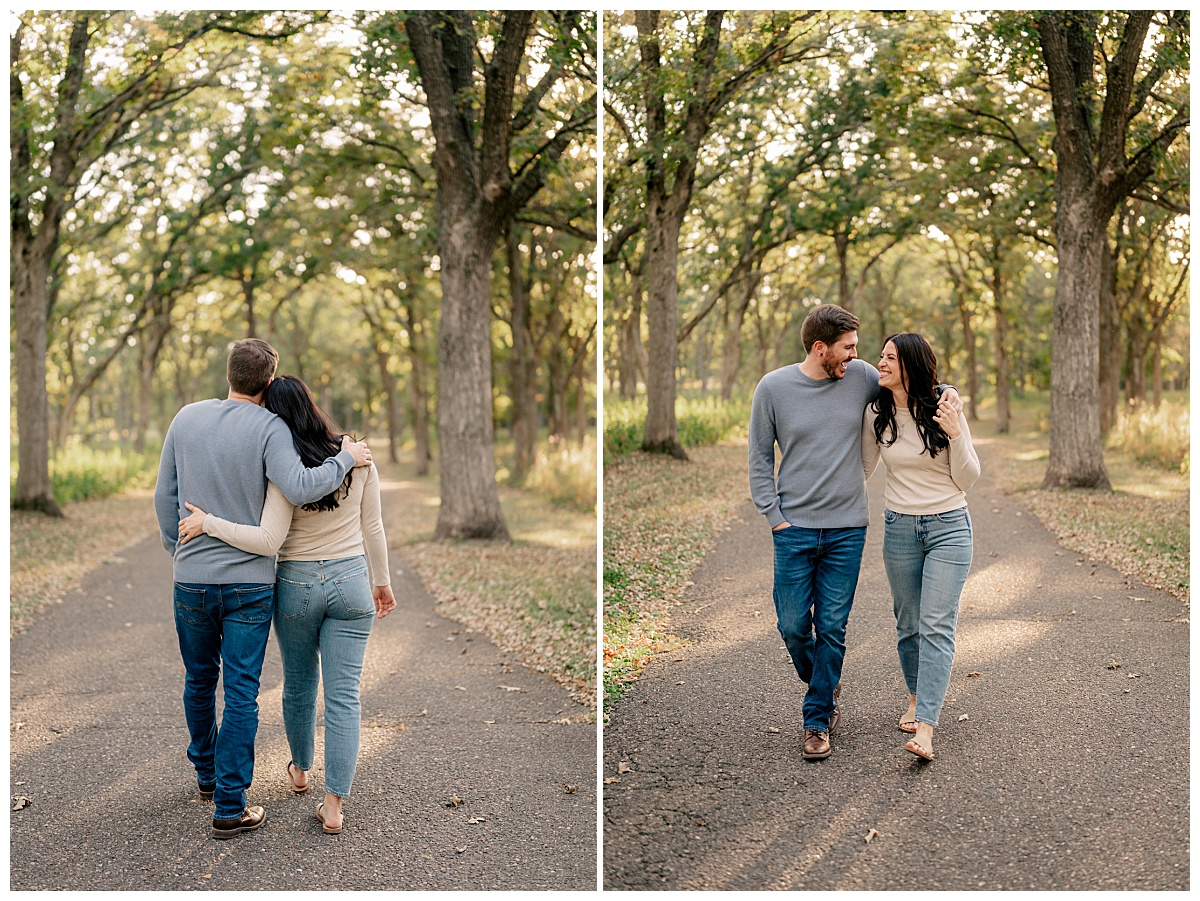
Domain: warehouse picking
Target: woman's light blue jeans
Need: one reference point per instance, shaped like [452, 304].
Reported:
[323, 616]
[927, 559]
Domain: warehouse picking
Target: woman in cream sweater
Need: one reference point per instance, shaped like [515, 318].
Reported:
[332, 579]
[927, 531]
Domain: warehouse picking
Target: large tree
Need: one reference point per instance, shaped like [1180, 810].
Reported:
[681, 98]
[1118, 106]
[68, 113]
[489, 164]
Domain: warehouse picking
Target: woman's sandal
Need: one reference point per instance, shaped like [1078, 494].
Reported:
[909, 726]
[298, 789]
[325, 827]
[914, 748]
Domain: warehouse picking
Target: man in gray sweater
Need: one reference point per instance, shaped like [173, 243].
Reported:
[817, 507]
[220, 454]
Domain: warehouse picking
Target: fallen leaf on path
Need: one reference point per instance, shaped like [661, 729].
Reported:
[963, 717]
[460, 688]
[611, 779]
[514, 688]
[476, 820]
[455, 801]
[774, 730]
[16, 726]
[623, 768]
[490, 722]
[424, 712]
[969, 675]
[870, 835]
[569, 789]
[20, 802]
[460, 850]
[1113, 665]
[399, 726]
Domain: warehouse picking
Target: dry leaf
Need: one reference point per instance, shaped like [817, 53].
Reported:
[969, 675]
[20, 802]
[460, 850]
[609, 780]
[1114, 665]
[623, 768]
[460, 688]
[455, 801]
[514, 688]
[962, 718]
[476, 820]
[569, 789]
[16, 726]
[423, 713]
[870, 835]
[774, 730]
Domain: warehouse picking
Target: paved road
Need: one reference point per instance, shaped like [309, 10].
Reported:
[97, 682]
[1053, 771]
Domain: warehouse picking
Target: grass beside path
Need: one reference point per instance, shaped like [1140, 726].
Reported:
[48, 557]
[1140, 528]
[535, 596]
[661, 516]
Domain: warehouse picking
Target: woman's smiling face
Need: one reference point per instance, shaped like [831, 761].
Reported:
[890, 370]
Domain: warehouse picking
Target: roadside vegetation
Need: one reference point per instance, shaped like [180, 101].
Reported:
[661, 516]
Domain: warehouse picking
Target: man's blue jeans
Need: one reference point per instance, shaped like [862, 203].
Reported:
[223, 633]
[322, 622]
[816, 573]
[927, 559]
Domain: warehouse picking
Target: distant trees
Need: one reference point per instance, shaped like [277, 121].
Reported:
[182, 180]
[913, 167]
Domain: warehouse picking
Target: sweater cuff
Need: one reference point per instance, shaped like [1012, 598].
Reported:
[775, 516]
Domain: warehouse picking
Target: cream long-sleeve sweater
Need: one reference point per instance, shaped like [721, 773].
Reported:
[918, 484]
[352, 528]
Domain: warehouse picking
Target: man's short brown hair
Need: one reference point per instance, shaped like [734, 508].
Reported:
[826, 324]
[251, 366]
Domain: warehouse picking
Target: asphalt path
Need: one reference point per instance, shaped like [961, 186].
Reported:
[1053, 770]
[98, 753]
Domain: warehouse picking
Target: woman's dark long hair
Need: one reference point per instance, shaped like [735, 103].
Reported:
[918, 370]
[314, 434]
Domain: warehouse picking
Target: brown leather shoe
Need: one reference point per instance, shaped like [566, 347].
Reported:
[206, 791]
[816, 744]
[836, 716]
[251, 818]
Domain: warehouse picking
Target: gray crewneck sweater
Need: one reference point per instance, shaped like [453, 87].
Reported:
[219, 455]
[818, 425]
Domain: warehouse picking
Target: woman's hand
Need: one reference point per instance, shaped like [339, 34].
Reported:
[385, 601]
[193, 525]
[947, 417]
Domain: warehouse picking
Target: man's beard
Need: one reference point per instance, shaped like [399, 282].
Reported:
[833, 370]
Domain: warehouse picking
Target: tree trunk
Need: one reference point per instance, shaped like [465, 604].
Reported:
[964, 318]
[731, 360]
[470, 505]
[522, 365]
[388, 384]
[1110, 341]
[841, 244]
[1158, 369]
[1076, 452]
[30, 284]
[662, 433]
[1136, 349]
[1003, 380]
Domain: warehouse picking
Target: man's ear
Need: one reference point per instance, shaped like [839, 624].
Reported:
[818, 348]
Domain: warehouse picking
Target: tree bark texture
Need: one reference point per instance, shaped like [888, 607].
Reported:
[474, 193]
[1092, 175]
